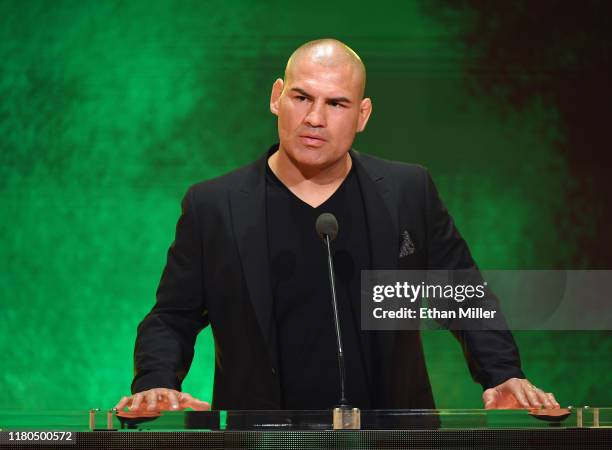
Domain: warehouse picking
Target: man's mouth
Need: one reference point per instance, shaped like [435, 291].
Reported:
[312, 140]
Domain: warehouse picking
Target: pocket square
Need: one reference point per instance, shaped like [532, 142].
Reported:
[406, 246]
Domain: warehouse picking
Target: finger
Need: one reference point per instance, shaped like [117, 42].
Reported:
[172, 398]
[188, 401]
[199, 405]
[544, 399]
[151, 398]
[185, 398]
[532, 397]
[553, 400]
[136, 401]
[489, 398]
[122, 402]
[520, 396]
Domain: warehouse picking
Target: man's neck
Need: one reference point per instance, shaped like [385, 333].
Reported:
[312, 185]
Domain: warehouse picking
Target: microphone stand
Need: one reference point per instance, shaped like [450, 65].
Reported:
[344, 417]
[332, 283]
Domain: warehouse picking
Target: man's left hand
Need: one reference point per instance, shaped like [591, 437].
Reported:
[517, 393]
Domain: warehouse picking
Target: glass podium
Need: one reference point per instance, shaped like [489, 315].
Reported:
[444, 428]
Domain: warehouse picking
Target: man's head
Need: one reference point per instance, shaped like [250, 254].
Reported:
[320, 104]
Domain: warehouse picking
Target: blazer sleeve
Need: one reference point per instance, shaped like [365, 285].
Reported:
[492, 355]
[166, 336]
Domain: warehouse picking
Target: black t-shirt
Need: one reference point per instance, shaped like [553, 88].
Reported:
[308, 364]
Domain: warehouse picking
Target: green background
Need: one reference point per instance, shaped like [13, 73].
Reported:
[109, 110]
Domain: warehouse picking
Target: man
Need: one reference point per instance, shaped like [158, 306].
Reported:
[246, 261]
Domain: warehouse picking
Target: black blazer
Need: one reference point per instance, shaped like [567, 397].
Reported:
[217, 274]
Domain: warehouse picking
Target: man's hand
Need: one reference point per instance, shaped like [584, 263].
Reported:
[161, 399]
[517, 393]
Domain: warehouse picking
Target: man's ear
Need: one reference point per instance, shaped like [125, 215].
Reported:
[277, 90]
[365, 109]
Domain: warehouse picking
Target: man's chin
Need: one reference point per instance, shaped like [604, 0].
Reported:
[311, 160]
[308, 157]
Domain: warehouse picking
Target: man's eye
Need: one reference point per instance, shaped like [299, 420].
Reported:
[337, 105]
[300, 98]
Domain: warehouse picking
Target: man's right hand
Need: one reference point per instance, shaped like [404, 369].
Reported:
[161, 399]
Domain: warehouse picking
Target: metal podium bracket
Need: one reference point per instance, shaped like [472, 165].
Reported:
[346, 419]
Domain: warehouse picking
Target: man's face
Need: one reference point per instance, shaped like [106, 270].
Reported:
[319, 111]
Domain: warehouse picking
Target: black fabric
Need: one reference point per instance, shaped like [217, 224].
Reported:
[308, 363]
[218, 274]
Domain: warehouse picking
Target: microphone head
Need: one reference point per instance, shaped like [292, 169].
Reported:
[327, 225]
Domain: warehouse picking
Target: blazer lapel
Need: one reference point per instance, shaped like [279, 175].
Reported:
[248, 208]
[381, 213]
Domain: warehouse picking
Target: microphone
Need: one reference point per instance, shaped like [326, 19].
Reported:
[327, 225]
[327, 229]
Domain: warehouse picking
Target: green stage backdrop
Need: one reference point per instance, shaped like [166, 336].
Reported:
[110, 109]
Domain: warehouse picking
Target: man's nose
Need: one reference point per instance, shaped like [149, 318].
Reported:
[316, 116]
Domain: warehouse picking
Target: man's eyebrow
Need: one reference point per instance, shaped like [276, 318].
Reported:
[339, 100]
[301, 91]
[329, 100]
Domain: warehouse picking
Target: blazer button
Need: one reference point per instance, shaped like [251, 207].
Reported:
[273, 371]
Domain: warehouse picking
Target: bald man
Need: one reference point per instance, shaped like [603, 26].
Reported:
[247, 261]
